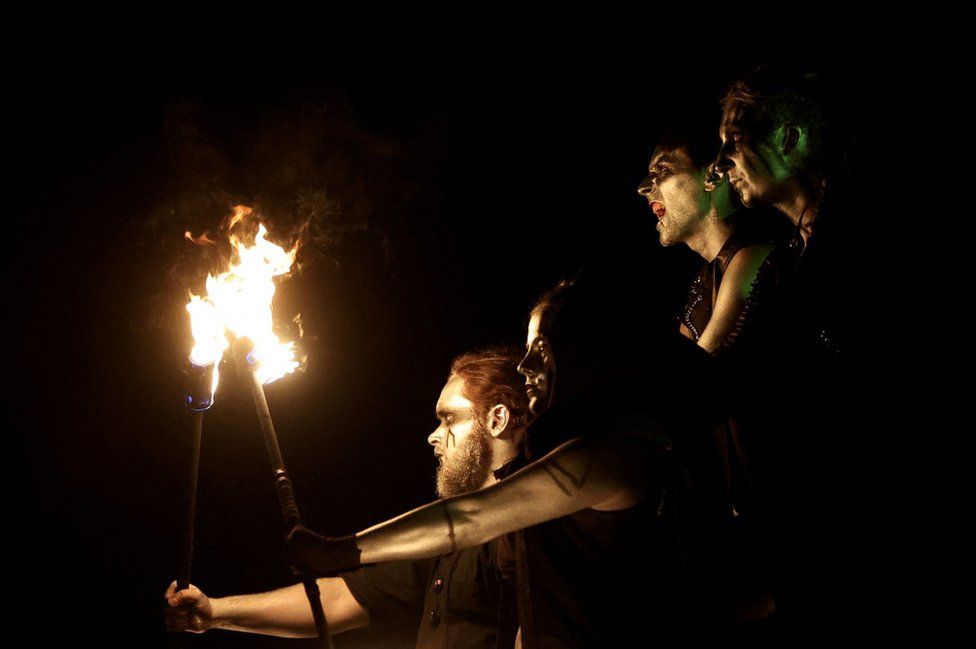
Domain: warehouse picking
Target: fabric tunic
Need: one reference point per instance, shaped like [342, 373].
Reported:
[733, 556]
[598, 578]
[788, 348]
[460, 598]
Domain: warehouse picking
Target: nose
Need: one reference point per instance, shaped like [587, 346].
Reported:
[435, 438]
[713, 177]
[531, 367]
[646, 188]
[723, 163]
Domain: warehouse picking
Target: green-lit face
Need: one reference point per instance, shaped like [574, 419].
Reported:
[755, 165]
[675, 190]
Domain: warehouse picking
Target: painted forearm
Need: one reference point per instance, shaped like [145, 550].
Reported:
[458, 522]
[573, 477]
[437, 528]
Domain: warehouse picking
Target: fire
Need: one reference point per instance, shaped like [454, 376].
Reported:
[237, 304]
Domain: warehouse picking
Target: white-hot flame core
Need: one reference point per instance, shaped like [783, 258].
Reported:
[238, 304]
[209, 339]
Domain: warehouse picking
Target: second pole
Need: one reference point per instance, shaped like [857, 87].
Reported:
[283, 486]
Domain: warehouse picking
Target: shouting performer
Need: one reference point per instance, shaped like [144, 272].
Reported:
[459, 597]
[733, 245]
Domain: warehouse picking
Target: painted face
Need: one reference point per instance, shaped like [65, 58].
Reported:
[749, 158]
[675, 190]
[461, 442]
[537, 366]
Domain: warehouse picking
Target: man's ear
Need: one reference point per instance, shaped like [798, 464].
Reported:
[791, 137]
[498, 420]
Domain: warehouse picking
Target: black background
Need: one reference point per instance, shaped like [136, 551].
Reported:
[454, 167]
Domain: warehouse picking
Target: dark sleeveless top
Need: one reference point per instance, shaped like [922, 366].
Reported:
[597, 578]
[796, 398]
[704, 289]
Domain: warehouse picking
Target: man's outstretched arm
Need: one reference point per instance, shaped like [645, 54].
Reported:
[284, 612]
[606, 474]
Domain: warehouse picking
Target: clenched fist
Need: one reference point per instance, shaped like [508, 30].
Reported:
[188, 609]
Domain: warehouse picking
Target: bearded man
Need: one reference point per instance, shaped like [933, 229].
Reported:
[592, 494]
[460, 597]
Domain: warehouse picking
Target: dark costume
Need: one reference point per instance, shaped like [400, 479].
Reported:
[786, 352]
[731, 552]
[747, 231]
[460, 597]
[595, 578]
[615, 578]
[598, 578]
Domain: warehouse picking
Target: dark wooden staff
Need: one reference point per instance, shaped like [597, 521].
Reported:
[198, 400]
[286, 495]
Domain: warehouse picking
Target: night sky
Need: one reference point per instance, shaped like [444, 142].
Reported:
[450, 168]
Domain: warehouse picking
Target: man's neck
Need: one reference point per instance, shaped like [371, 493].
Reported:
[501, 453]
[799, 205]
[710, 237]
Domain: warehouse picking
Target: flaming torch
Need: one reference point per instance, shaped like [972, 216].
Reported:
[237, 308]
[209, 345]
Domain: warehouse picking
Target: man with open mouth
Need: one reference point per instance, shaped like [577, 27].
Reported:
[732, 244]
[706, 216]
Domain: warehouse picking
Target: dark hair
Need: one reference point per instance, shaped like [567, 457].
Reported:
[549, 305]
[778, 95]
[698, 137]
[491, 377]
[615, 345]
[584, 316]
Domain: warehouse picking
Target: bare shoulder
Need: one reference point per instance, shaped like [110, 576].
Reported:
[745, 265]
[753, 255]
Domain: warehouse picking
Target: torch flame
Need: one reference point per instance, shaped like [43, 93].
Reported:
[209, 339]
[237, 304]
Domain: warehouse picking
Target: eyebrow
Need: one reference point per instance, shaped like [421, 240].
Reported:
[440, 414]
[664, 157]
[734, 118]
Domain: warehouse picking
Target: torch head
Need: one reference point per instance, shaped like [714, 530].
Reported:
[244, 355]
[199, 387]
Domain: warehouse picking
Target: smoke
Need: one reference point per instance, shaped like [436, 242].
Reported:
[307, 165]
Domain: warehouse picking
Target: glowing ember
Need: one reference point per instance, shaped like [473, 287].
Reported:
[238, 304]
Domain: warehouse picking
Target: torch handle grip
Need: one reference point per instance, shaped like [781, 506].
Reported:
[286, 498]
[289, 511]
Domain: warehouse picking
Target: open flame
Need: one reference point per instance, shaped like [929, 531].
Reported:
[237, 304]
